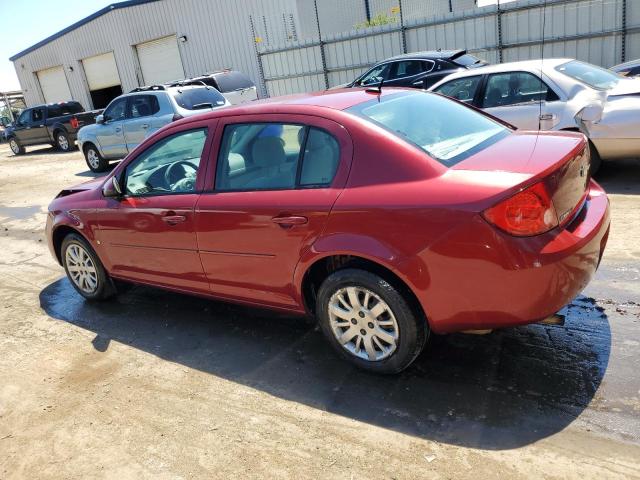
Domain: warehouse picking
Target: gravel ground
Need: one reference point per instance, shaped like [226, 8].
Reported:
[158, 385]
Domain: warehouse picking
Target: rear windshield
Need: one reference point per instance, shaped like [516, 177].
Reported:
[60, 109]
[593, 76]
[469, 61]
[230, 81]
[446, 130]
[198, 98]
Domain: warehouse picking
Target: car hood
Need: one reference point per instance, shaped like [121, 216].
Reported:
[88, 130]
[92, 184]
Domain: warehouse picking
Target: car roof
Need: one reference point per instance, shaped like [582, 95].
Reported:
[427, 55]
[527, 65]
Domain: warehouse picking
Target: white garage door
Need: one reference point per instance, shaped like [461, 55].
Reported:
[101, 71]
[54, 85]
[160, 61]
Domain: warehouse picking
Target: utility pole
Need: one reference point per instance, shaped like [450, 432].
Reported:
[367, 10]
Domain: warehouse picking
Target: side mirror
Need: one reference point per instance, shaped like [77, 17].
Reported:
[100, 119]
[112, 189]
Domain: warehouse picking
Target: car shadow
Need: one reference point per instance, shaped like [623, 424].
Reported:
[497, 391]
[621, 176]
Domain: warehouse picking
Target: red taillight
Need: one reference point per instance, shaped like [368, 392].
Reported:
[529, 212]
[74, 122]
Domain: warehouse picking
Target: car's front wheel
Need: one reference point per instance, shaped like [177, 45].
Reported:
[370, 322]
[16, 148]
[95, 161]
[84, 269]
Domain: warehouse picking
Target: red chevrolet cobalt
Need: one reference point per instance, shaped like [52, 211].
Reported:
[387, 215]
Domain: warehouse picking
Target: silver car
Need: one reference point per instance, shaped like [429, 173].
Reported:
[132, 117]
[557, 94]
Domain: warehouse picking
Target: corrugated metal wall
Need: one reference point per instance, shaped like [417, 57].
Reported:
[218, 35]
[589, 30]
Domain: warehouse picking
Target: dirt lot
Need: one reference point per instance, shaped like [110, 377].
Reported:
[157, 385]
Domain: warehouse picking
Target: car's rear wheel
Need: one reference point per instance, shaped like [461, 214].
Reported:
[84, 269]
[95, 161]
[369, 322]
[62, 141]
[16, 148]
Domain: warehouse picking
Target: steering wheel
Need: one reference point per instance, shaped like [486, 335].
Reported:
[172, 176]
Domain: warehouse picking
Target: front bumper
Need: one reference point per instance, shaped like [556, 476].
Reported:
[516, 281]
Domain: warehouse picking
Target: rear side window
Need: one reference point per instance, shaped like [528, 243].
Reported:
[409, 68]
[463, 89]
[231, 81]
[272, 156]
[143, 106]
[198, 98]
[66, 108]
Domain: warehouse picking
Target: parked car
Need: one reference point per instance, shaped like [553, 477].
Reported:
[235, 86]
[55, 123]
[386, 215]
[557, 94]
[416, 70]
[628, 69]
[132, 117]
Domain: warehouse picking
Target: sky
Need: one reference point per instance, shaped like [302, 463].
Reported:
[25, 22]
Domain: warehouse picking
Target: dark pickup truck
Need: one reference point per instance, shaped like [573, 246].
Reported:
[56, 124]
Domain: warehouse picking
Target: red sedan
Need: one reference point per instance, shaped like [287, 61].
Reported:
[386, 215]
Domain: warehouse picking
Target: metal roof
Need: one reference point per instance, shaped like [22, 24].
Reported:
[99, 13]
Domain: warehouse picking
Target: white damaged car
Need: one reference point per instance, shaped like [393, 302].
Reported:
[557, 94]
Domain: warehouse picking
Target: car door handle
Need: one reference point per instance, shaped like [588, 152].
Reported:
[145, 126]
[290, 220]
[118, 129]
[547, 116]
[173, 219]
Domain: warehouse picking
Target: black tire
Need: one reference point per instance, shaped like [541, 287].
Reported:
[62, 140]
[412, 329]
[15, 146]
[596, 161]
[95, 161]
[105, 287]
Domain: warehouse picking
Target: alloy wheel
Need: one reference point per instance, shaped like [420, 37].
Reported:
[92, 158]
[63, 142]
[363, 323]
[81, 268]
[15, 148]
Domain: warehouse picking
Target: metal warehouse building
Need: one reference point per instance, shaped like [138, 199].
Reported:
[144, 42]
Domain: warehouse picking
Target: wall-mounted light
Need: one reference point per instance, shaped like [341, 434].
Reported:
[182, 38]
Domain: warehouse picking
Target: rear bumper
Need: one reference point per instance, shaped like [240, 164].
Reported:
[510, 281]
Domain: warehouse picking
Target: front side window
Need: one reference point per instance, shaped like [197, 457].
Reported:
[593, 76]
[515, 88]
[116, 110]
[143, 106]
[170, 166]
[25, 117]
[376, 75]
[448, 131]
[463, 89]
[272, 156]
[196, 98]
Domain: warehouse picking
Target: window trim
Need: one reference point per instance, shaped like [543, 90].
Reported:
[204, 155]
[307, 127]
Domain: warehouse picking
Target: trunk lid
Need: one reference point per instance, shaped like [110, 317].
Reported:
[559, 159]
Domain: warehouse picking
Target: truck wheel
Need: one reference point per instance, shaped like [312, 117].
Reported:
[369, 322]
[62, 141]
[16, 148]
[95, 162]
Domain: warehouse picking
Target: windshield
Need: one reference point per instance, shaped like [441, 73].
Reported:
[198, 98]
[469, 61]
[446, 130]
[593, 76]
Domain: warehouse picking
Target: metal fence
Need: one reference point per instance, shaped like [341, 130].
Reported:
[603, 32]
